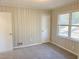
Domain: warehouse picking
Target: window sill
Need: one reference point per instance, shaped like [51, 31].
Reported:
[76, 40]
[63, 37]
[73, 39]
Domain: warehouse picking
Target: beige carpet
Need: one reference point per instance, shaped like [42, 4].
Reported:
[42, 51]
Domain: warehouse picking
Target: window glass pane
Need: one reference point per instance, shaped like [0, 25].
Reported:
[75, 32]
[63, 31]
[75, 18]
[63, 19]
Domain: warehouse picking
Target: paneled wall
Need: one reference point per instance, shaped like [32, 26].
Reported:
[26, 25]
[68, 44]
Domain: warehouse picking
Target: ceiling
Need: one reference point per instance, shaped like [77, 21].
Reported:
[41, 4]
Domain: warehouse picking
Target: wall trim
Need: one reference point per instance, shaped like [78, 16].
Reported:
[11, 49]
[64, 48]
[24, 46]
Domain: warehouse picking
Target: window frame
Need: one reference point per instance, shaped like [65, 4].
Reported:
[69, 25]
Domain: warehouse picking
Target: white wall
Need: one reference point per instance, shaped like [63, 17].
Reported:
[68, 44]
[26, 25]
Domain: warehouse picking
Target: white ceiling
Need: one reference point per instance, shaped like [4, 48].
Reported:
[42, 4]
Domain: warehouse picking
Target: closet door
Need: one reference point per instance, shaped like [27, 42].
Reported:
[6, 43]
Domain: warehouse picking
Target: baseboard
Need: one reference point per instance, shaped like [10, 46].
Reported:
[6, 51]
[64, 48]
[28, 45]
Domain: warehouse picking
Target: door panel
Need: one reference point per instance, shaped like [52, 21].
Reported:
[45, 27]
[5, 32]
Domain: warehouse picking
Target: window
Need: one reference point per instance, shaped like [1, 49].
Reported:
[63, 24]
[63, 19]
[75, 18]
[75, 25]
[63, 31]
[75, 32]
[68, 25]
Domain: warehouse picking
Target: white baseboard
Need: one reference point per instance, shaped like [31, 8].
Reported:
[11, 49]
[65, 48]
[27, 45]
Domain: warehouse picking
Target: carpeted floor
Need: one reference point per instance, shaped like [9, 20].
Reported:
[42, 51]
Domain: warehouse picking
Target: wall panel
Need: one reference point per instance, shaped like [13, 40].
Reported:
[26, 25]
